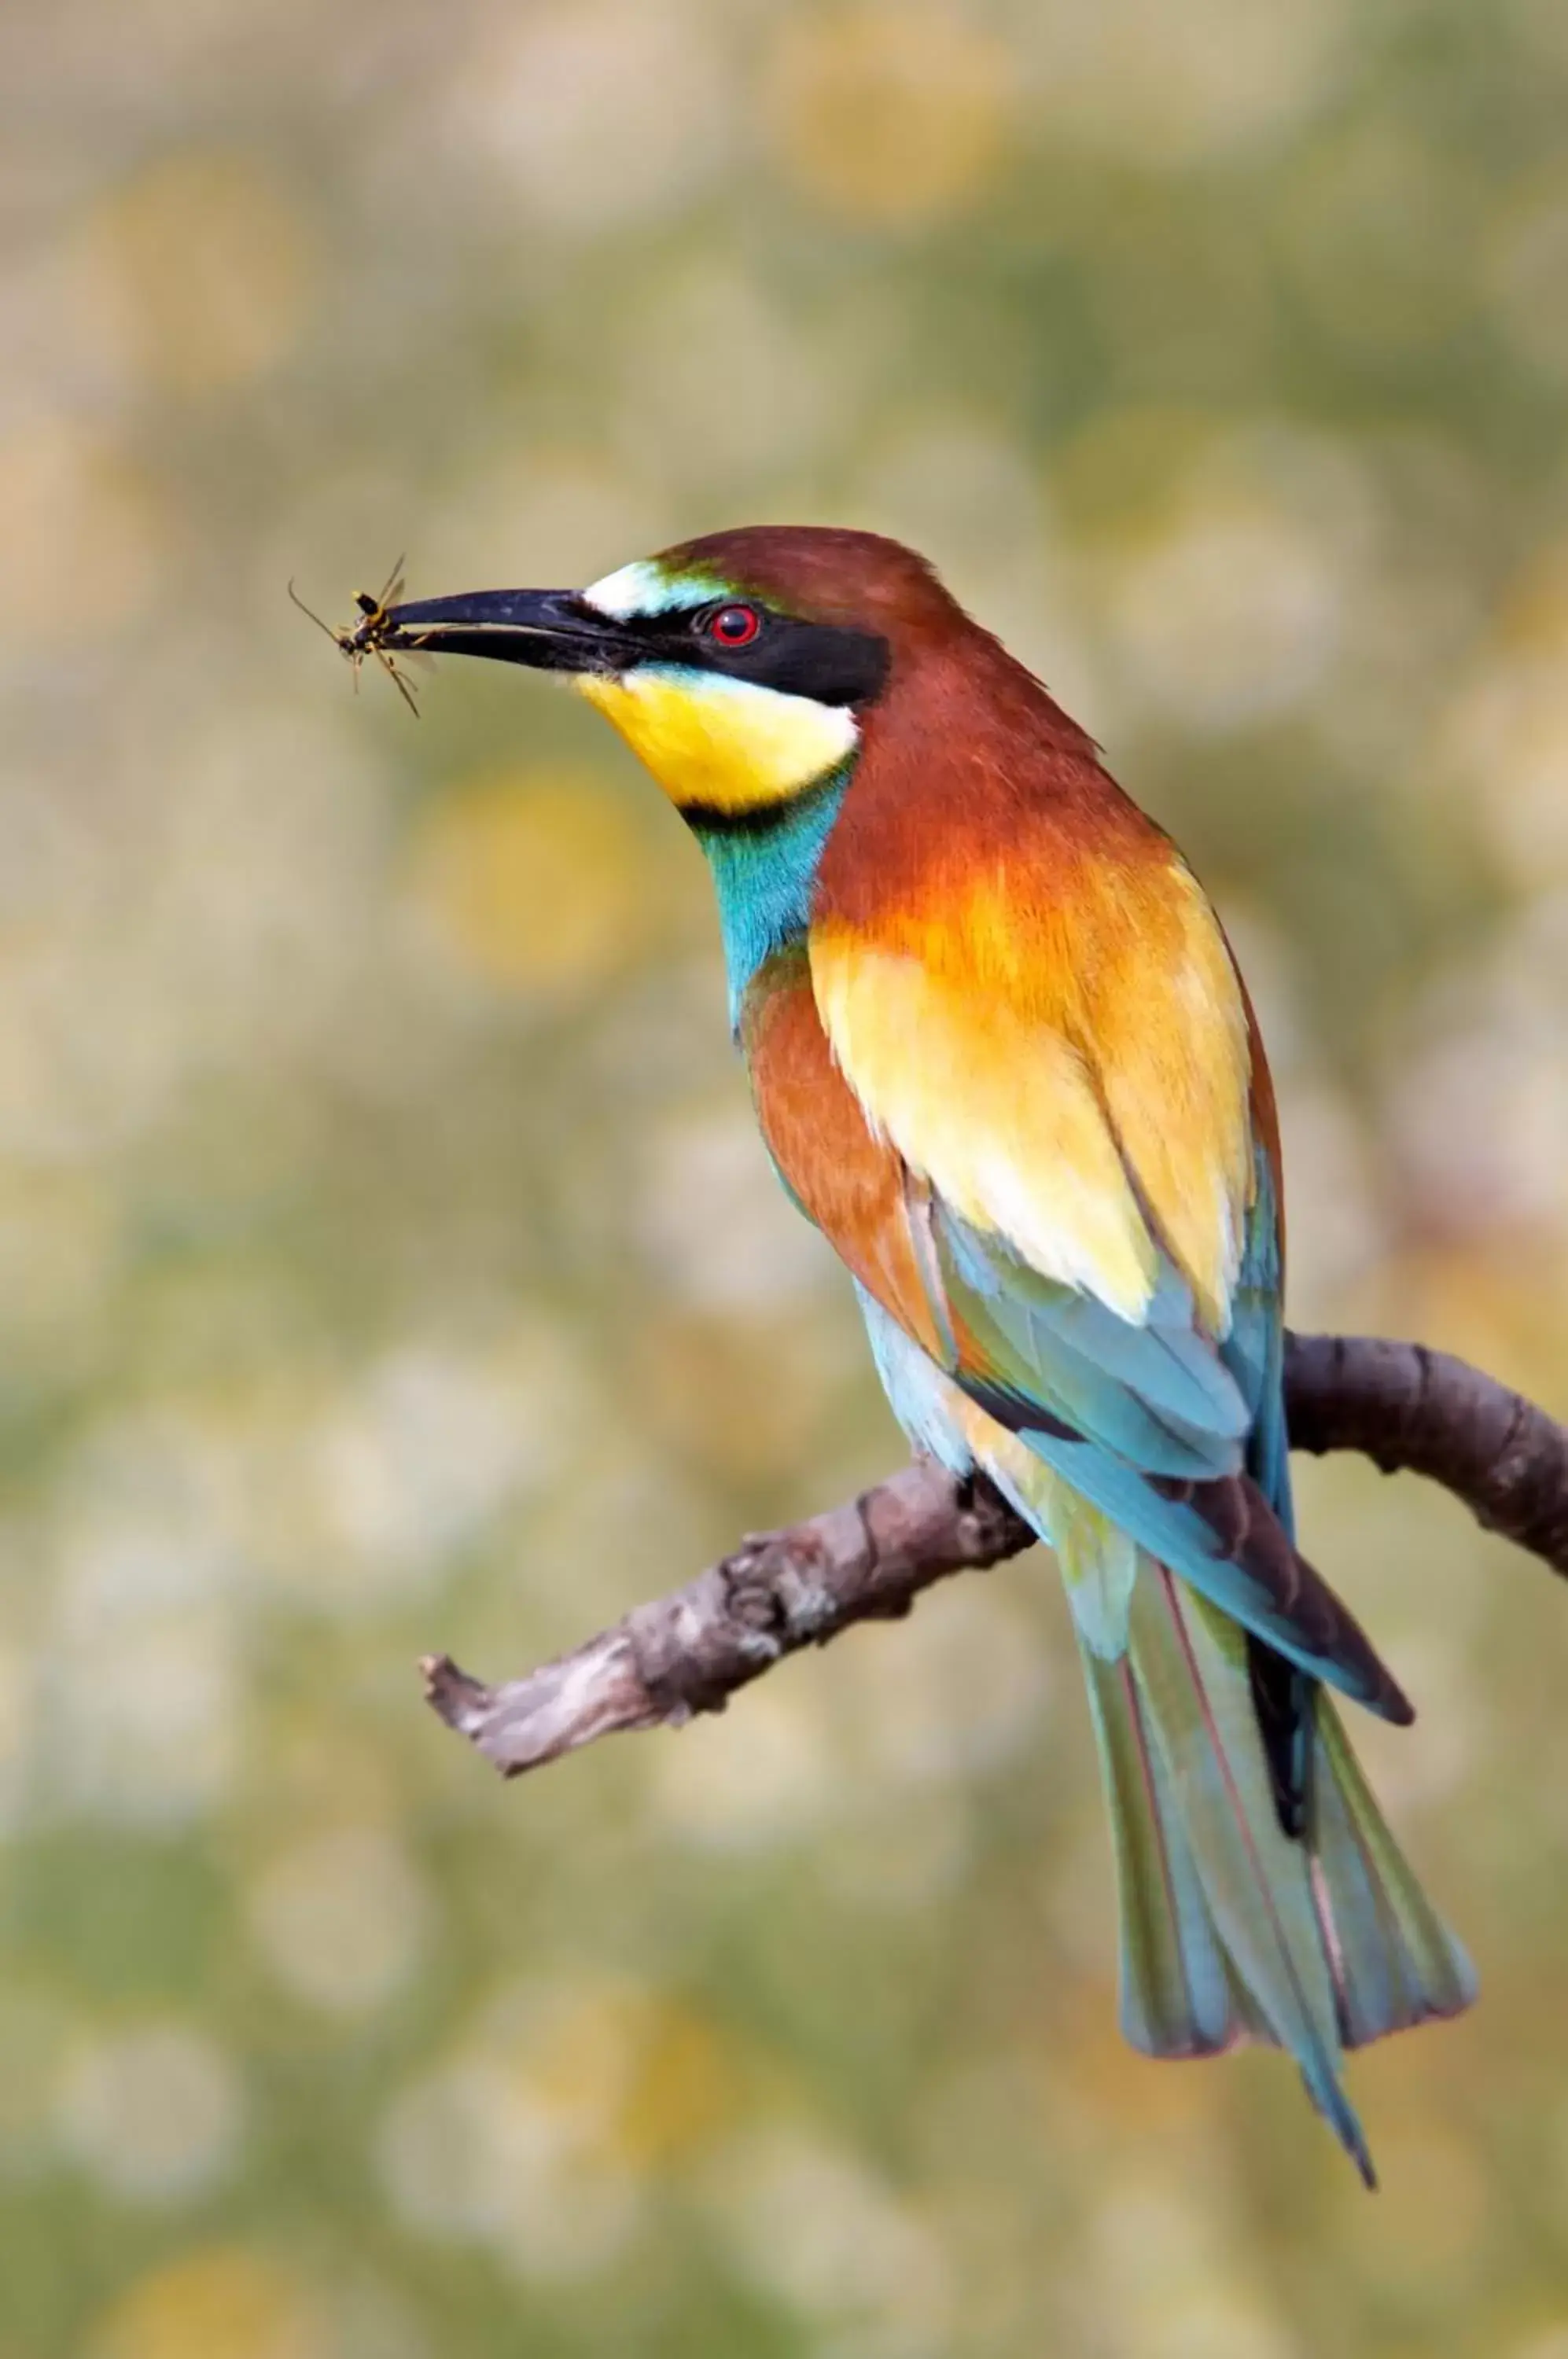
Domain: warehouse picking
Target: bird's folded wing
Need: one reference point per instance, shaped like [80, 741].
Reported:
[1072, 1099]
[1069, 1072]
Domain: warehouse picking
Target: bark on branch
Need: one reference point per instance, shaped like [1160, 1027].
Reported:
[1403, 1406]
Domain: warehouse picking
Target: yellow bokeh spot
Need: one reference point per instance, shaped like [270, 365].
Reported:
[536, 881]
[889, 115]
[219, 2304]
[681, 2093]
[1534, 617]
[201, 269]
[652, 2077]
[83, 532]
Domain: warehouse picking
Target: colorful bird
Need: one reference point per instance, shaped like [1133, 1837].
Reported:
[1001, 1056]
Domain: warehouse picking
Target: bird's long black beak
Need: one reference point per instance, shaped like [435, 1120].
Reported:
[550, 630]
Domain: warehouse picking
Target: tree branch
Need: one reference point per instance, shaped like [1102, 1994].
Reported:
[1403, 1405]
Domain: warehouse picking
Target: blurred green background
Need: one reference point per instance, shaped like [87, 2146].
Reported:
[387, 1259]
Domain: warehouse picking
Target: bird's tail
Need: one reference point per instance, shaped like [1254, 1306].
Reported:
[1233, 1929]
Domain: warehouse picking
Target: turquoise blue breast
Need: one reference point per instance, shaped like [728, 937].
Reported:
[764, 865]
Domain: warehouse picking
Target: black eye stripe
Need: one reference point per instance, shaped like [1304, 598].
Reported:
[814, 659]
[821, 660]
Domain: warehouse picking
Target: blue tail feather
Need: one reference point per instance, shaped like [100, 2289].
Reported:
[1231, 1928]
[1241, 1919]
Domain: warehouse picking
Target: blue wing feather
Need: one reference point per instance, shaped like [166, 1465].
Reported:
[1148, 1422]
[1156, 1394]
[1254, 1351]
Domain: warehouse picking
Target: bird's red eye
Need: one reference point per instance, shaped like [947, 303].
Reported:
[734, 626]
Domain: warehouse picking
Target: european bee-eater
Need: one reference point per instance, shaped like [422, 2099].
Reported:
[1001, 1056]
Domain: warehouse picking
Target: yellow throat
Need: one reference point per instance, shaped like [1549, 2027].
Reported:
[720, 744]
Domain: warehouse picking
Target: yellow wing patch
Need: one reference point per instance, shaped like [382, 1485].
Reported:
[722, 744]
[998, 1114]
[1175, 1061]
[1070, 1075]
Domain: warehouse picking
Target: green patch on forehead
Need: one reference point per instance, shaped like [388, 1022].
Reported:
[646, 588]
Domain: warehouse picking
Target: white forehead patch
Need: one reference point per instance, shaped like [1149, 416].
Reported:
[643, 588]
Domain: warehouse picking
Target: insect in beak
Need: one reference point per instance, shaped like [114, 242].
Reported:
[354, 641]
